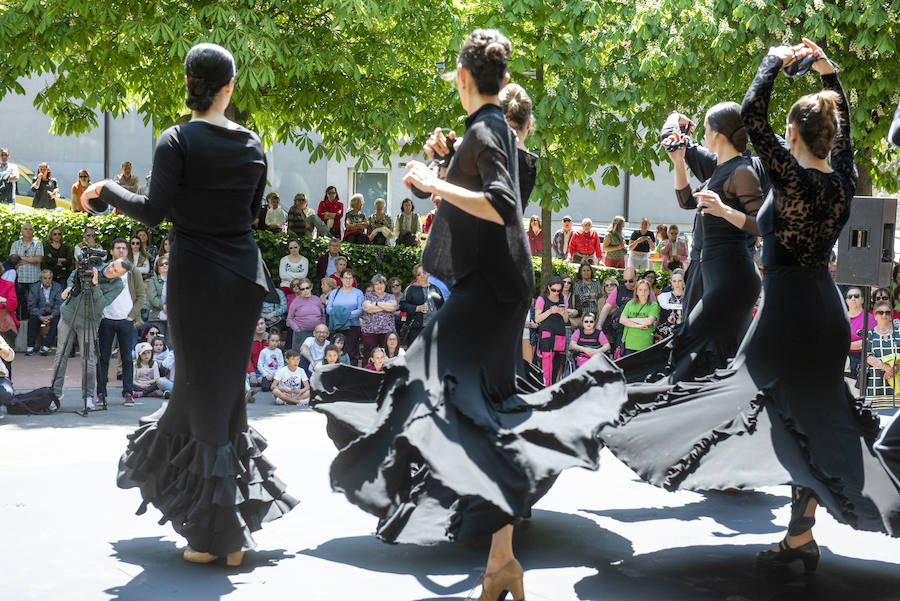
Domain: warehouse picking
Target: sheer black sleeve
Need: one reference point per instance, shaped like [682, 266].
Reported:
[260, 191]
[498, 186]
[168, 164]
[894, 135]
[842, 149]
[743, 185]
[686, 198]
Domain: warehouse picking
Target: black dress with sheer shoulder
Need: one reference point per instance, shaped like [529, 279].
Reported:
[770, 418]
[441, 446]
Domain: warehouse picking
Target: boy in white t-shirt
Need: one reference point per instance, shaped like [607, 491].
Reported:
[270, 361]
[291, 385]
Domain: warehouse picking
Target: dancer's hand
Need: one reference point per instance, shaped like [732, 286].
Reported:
[823, 66]
[92, 192]
[790, 54]
[710, 203]
[420, 176]
[436, 144]
[677, 155]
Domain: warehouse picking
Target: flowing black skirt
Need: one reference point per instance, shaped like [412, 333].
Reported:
[441, 446]
[780, 414]
[201, 464]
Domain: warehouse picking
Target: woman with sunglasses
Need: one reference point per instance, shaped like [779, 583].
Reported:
[588, 340]
[534, 236]
[331, 211]
[292, 266]
[782, 413]
[139, 257]
[858, 323]
[305, 313]
[882, 340]
[58, 256]
[201, 464]
[80, 185]
[88, 240]
[552, 315]
[156, 298]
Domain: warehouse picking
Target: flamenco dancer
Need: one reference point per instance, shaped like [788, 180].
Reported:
[766, 422]
[440, 446]
[201, 465]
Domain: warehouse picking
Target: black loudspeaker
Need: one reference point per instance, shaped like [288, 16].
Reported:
[866, 244]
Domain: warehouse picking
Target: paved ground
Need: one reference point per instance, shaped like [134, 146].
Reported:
[70, 534]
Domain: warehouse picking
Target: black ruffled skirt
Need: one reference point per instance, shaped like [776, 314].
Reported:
[201, 464]
[441, 446]
[780, 414]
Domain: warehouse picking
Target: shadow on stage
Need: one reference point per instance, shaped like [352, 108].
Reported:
[165, 575]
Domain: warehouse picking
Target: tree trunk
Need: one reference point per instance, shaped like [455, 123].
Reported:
[546, 251]
[864, 184]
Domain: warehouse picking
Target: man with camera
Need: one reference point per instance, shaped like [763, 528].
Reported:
[9, 175]
[120, 318]
[89, 292]
[46, 190]
[44, 302]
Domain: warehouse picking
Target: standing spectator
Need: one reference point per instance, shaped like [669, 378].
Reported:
[127, 179]
[641, 242]
[331, 211]
[587, 289]
[881, 294]
[325, 265]
[344, 309]
[28, 270]
[572, 302]
[420, 301]
[610, 285]
[271, 359]
[297, 217]
[88, 240]
[429, 218]
[585, 245]
[9, 175]
[305, 313]
[292, 266]
[84, 180]
[408, 226]
[275, 216]
[673, 251]
[356, 225]
[9, 323]
[44, 302]
[139, 257]
[857, 324]
[327, 284]
[46, 190]
[671, 303]
[340, 266]
[313, 348]
[395, 287]
[164, 248]
[614, 243]
[144, 236]
[562, 238]
[650, 276]
[551, 315]
[7, 354]
[534, 236]
[883, 340]
[377, 319]
[291, 384]
[615, 302]
[638, 318]
[381, 227]
[121, 320]
[58, 256]
[260, 222]
[274, 310]
[156, 296]
[588, 340]
[662, 233]
[392, 348]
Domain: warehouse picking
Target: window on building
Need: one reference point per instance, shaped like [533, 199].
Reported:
[372, 185]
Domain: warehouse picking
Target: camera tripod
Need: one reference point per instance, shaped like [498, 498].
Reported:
[89, 341]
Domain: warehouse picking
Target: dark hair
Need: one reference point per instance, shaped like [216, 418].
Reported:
[485, 53]
[332, 347]
[11, 261]
[274, 332]
[119, 241]
[290, 353]
[336, 195]
[516, 105]
[725, 118]
[339, 336]
[126, 264]
[208, 68]
[412, 207]
[815, 116]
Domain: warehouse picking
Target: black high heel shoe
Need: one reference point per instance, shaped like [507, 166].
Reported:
[807, 553]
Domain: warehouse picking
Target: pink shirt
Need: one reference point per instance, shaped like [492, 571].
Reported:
[856, 324]
[305, 313]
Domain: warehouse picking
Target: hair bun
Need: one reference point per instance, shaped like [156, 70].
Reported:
[496, 52]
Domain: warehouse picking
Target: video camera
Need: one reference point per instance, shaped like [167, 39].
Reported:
[91, 258]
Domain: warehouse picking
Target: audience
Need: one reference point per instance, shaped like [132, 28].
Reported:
[58, 257]
[127, 179]
[290, 385]
[270, 361]
[376, 360]
[331, 211]
[881, 353]
[313, 348]
[436, 201]
[380, 225]
[44, 303]
[332, 355]
[298, 217]
[9, 323]
[292, 266]
[46, 190]
[344, 309]
[857, 317]
[551, 316]
[89, 240]
[420, 301]
[147, 379]
[274, 311]
[275, 216]
[662, 234]
[408, 226]
[156, 295]
[587, 290]
[585, 245]
[573, 304]
[78, 188]
[257, 344]
[139, 257]
[341, 343]
[144, 236]
[614, 244]
[356, 224]
[392, 348]
[327, 284]
[28, 271]
[534, 236]
[638, 318]
[377, 319]
[640, 246]
[671, 302]
[588, 340]
[340, 266]
[305, 313]
[561, 239]
[325, 265]
[7, 392]
[673, 250]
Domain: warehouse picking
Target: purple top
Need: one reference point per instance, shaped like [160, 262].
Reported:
[305, 313]
[381, 322]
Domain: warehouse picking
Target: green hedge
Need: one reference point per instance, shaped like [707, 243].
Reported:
[390, 261]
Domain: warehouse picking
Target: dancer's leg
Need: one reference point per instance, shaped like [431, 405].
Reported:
[501, 549]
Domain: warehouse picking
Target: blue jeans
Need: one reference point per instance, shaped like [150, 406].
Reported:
[123, 330]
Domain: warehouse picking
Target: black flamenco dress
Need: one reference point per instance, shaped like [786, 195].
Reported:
[782, 412]
[201, 464]
[440, 446]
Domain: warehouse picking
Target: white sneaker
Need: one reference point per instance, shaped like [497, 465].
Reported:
[279, 402]
[90, 403]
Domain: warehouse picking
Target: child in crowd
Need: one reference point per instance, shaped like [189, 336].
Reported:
[332, 355]
[167, 381]
[328, 284]
[270, 361]
[160, 354]
[376, 361]
[258, 343]
[339, 341]
[291, 385]
[146, 372]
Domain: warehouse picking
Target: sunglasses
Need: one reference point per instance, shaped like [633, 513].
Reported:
[629, 281]
[854, 296]
[303, 288]
[55, 234]
[89, 235]
[882, 312]
[556, 290]
[610, 285]
[587, 321]
[135, 243]
[83, 176]
[293, 247]
[395, 285]
[882, 297]
[163, 263]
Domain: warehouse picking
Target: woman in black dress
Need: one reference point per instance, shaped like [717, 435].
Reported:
[201, 465]
[448, 450]
[768, 421]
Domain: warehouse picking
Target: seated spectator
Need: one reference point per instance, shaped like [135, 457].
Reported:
[89, 240]
[328, 284]
[257, 344]
[313, 348]
[638, 319]
[377, 319]
[58, 257]
[650, 276]
[587, 290]
[9, 268]
[325, 264]
[344, 309]
[332, 356]
[534, 236]
[160, 353]
[429, 218]
[395, 287]
[380, 224]
[305, 313]
[147, 380]
[331, 211]
[139, 257]
[551, 316]
[291, 384]
[585, 245]
[882, 351]
[561, 239]
[292, 266]
[573, 304]
[270, 361]
[156, 295]
[376, 360]
[673, 251]
[144, 236]
[408, 225]
[642, 240]
[671, 301]
[274, 310]
[341, 264]
[44, 302]
[275, 216]
[163, 248]
[588, 340]
[78, 188]
[340, 341]
[168, 367]
[392, 348]
[356, 224]
[421, 300]
[9, 323]
[7, 354]
[881, 294]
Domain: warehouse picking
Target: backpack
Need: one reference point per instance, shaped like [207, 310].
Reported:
[36, 402]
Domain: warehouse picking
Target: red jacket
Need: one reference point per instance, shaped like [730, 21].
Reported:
[585, 243]
[8, 291]
[331, 206]
[535, 242]
[428, 219]
[255, 347]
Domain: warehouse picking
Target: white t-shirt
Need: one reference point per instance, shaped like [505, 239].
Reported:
[270, 361]
[289, 271]
[317, 352]
[288, 379]
[122, 305]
